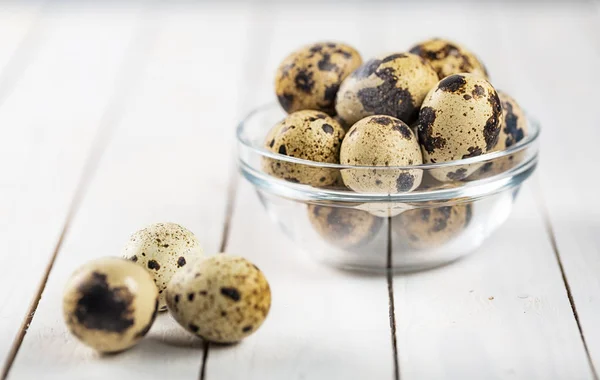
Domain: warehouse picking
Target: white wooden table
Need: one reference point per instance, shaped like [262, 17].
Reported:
[119, 115]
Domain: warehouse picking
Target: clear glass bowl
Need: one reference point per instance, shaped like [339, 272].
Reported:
[456, 206]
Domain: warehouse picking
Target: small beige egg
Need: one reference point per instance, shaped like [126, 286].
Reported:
[393, 85]
[431, 227]
[460, 118]
[110, 304]
[308, 135]
[344, 227]
[162, 249]
[309, 78]
[381, 141]
[221, 299]
[513, 128]
[448, 58]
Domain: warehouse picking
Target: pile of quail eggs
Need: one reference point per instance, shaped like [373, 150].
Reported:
[111, 303]
[431, 104]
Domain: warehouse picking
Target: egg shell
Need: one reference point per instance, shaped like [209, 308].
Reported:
[309, 78]
[163, 249]
[393, 85]
[513, 128]
[459, 118]
[109, 304]
[448, 58]
[344, 227]
[425, 228]
[221, 299]
[381, 141]
[308, 135]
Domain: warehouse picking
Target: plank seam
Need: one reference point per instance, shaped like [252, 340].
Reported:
[126, 81]
[391, 306]
[249, 72]
[23, 54]
[550, 231]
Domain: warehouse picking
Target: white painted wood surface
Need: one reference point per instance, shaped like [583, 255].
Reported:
[47, 132]
[569, 140]
[127, 113]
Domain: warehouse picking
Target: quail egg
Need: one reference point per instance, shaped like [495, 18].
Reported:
[162, 249]
[309, 135]
[344, 227]
[431, 227]
[513, 128]
[393, 85]
[381, 140]
[459, 118]
[221, 299]
[448, 58]
[309, 78]
[110, 304]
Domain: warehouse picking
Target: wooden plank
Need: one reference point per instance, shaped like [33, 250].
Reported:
[323, 323]
[47, 124]
[169, 160]
[570, 137]
[503, 312]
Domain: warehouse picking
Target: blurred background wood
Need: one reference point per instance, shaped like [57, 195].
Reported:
[114, 116]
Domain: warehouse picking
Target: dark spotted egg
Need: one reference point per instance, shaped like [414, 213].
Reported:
[110, 304]
[344, 227]
[220, 299]
[309, 135]
[449, 58]
[431, 227]
[309, 78]
[393, 85]
[513, 128]
[162, 249]
[381, 141]
[459, 118]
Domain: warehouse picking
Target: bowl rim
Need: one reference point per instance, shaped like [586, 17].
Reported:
[527, 141]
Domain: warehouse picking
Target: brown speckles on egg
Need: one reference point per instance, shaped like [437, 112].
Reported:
[309, 78]
[309, 135]
[452, 127]
[109, 304]
[344, 227]
[393, 85]
[103, 308]
[381, 141]
[449, 58]
[234, 295]
[181, 261]
[163, 249]
[231, 293]
[452, 83]
[431, 227]
[512, 128]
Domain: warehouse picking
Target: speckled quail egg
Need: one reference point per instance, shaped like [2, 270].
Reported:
[431, 227]
[380, 141]
[460, 118]
[110, 304]
[309, 135]
[221, 299]
[344, 227]
[513, 128]
[449, 58]
[162, 249]
[309, 78]
[393, 85]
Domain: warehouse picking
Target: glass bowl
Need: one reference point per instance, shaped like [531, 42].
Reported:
[451, 212]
